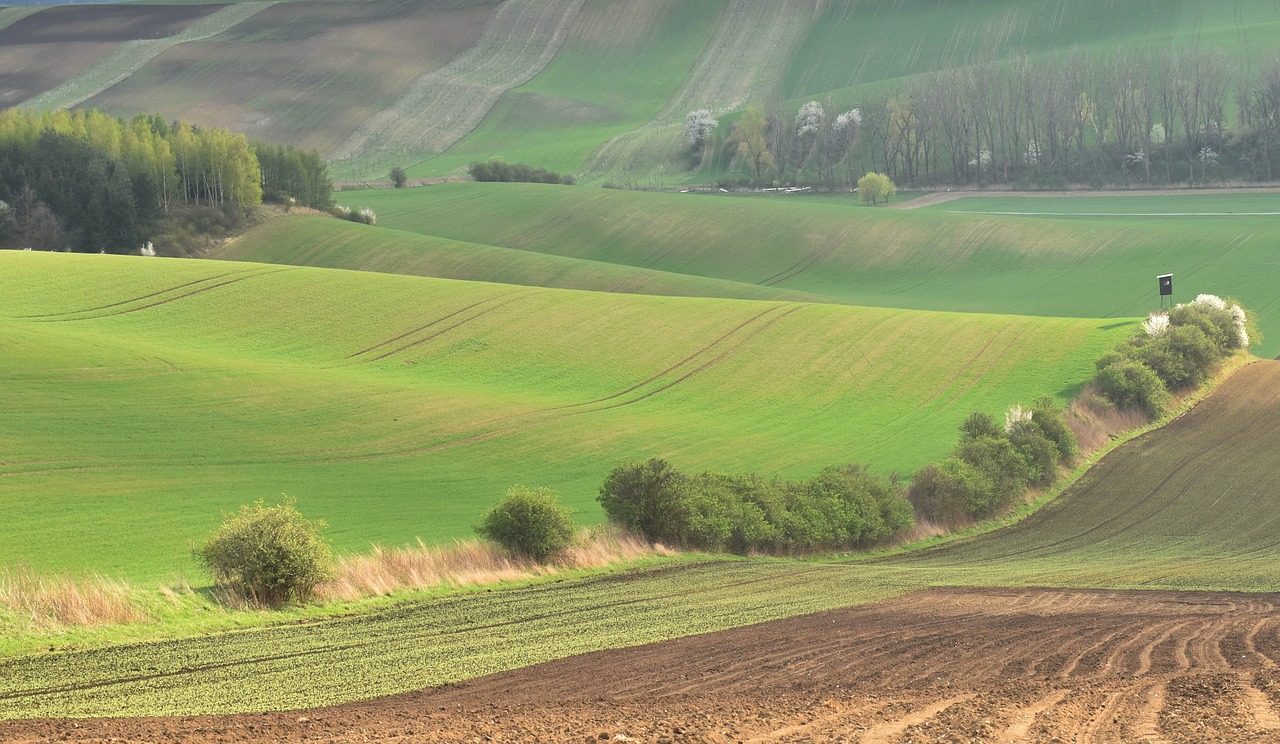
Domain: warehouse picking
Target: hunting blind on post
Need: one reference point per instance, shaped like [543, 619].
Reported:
[1166, 288]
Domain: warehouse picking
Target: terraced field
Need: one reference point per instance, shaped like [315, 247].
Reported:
[1076, 266]
[398, 407]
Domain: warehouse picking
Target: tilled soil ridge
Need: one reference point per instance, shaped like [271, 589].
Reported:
[997, 665]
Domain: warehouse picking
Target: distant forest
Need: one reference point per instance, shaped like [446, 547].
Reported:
[86, 181]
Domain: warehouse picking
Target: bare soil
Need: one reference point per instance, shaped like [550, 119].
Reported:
[46, 49]
[992, 665]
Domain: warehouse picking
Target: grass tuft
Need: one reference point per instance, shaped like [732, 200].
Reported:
[51, 602]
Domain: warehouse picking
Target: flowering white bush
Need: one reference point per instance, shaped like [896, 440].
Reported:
[1156, 325]
[1242, 332]
[1157, 134]
[148, 249]
[1137, 157]
[1208, 156]
[698, 125]
[1033, 153]
[848, 120]
[810, 118]
[983, 158]
[1208, 300]
[1015, 415]
[367, 216]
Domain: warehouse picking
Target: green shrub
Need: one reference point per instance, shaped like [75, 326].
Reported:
[978, 425]
[530, 522]
[1049, 417]
[268, 555]
[1002, 464]
[951, 490]
[399, 178]
[1131, 384]
[649, 497]
[1038, 452]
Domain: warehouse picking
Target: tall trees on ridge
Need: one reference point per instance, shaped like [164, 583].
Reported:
[106, 180]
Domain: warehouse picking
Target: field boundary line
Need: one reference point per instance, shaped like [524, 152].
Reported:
[10, 16]
[1118, 214]
[131, 56]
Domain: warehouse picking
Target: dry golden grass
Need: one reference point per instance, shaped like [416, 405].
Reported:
[56, 601]
[1096, 421]
[471, 562]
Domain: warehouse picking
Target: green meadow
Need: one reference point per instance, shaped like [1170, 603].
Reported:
[143, 397]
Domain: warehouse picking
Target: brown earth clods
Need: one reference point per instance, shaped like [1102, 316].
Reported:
[943, 665]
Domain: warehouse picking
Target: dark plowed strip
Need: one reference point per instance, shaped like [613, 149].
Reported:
[938, 665]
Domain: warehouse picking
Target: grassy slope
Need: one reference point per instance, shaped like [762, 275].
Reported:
[1189, 506]
[926, 259]
[398, 407]
[329, 243]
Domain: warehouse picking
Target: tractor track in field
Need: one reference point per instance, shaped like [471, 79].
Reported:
[937, 665]
[732, 340]
[140, 298]
[94, 314]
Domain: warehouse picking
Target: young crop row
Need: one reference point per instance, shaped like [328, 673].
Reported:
[130, 56]
[419, 644]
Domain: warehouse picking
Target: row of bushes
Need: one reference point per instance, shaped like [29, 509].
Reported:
[504, 172]
[992, 467]
[363, 215]
[839, 508]
[1172, 352]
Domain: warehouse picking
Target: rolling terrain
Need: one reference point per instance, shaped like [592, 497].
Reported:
[1011, 663]
[1098, 263]
[399, 407]
[594, 87]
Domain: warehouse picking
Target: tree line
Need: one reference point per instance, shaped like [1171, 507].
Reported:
[87, 181]
[1153, 116]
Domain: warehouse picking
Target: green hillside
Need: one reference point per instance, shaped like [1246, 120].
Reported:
[1099, 265]
[143, 396]
[1189, 506]
[334, 244]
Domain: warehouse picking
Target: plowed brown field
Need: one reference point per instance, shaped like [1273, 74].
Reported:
[48, 48]
[939, 665]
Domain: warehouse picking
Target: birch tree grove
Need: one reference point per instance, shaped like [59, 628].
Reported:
[1129, 116]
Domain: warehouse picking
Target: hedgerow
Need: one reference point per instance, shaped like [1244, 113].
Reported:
[841, 507]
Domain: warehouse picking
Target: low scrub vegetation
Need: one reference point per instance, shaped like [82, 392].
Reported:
[49, 602]
[504, 172]
[531, 523]
[991, 467]
[268, 555]
[842, 507]
[1173, 352]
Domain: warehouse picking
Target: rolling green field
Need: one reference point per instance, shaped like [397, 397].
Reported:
[934, 259]
[144, 396]
[1188, 507]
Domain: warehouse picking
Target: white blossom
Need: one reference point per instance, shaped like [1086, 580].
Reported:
[1015, 415]
[1213, 301]
[809, 119]
[1156, 324]
[148, 249]
[848, 120]
[1208, 156]
[1242, 332]
[983, 158]
[1033, 153]
[1137, 157]
[1157, 134]
[698, 125]
[369, 218]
